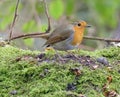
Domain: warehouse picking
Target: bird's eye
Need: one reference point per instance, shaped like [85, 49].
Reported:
[79, 24]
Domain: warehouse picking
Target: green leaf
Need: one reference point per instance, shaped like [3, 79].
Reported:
[29, 42]
[56, 8]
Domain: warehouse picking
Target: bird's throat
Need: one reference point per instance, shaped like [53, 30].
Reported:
[78, 36]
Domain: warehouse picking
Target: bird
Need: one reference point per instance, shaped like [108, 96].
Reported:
[66, 37]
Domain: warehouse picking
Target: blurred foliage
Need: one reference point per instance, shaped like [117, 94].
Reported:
[29, 42]
[40, 7]
[30, 26]
[6, 16]
[43, 28]
[106, 10]
[103, 15]
[56, 8]
[69, 7]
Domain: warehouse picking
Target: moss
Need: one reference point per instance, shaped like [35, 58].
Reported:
[41, 79]
[112, 53]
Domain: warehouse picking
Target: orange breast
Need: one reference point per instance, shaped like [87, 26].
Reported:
[78, 36]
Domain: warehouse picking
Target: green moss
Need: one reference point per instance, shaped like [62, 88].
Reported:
[112, 53]
[30, 78]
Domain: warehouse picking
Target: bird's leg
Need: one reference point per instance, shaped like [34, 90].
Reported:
[59, 57]
[72, 54]
[49, 49]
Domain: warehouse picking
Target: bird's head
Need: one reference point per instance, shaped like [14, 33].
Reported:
[81, 25]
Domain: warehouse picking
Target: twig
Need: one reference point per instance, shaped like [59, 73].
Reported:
[101, 39]
[33, 35]
[48, 17]
[13, 23]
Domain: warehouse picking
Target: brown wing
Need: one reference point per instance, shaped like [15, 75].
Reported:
[60, 34]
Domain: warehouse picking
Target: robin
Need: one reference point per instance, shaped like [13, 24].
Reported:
[66, 37]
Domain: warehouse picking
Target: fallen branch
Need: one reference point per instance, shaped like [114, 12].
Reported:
[13, 23]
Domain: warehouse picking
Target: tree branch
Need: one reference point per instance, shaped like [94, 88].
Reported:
[101, 39]
[37, 35]
[13, 23]
[26, 36]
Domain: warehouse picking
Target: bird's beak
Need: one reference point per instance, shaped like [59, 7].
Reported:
[88, 26]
